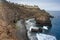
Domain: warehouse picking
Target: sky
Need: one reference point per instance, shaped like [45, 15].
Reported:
[49, 5]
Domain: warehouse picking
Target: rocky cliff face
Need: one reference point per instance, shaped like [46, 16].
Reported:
[10, 13]
[7, 29]
[42, 17]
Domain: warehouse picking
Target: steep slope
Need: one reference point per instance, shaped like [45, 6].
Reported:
[7, 29]
[10, 13]
[42, 17]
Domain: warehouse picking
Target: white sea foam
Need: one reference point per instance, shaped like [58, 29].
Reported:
[37, 36]
[45, 37]
[45, 27]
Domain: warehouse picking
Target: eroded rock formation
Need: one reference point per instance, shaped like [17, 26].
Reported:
[10, 13]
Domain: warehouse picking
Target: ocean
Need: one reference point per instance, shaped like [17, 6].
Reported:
[55, 30]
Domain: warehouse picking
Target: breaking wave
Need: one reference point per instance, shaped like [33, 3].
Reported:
[37, 36]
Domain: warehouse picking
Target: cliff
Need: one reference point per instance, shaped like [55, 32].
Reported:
[10, 13]
[42, 17]
[7, 29]
[14, 12]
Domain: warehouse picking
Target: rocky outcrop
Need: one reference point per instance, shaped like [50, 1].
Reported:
[42, 17]
[10, 13]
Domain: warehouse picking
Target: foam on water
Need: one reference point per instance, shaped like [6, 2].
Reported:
[37, 36]
[45, 37]
[45, 27]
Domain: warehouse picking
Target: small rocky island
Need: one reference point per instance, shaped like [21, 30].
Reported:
[10, 13]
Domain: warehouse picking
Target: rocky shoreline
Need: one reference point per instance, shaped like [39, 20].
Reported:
[10, 13]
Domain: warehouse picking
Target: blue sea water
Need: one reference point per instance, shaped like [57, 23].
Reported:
[55, 30]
